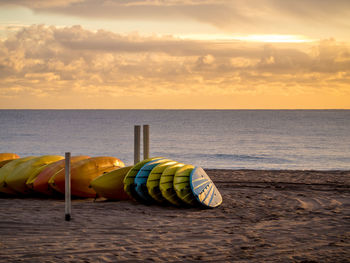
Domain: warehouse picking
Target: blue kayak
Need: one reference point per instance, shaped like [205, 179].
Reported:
[141, 180]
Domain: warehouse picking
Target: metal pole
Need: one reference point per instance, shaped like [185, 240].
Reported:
[137, 143]
[67, 187]
[145, 141]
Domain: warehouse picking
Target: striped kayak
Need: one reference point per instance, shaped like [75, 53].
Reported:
[204, 189]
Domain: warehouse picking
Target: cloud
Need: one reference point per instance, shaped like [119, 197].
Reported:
[50, 62]
[41, 4]
[241, 16]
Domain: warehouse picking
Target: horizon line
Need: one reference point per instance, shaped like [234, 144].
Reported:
[186, 109]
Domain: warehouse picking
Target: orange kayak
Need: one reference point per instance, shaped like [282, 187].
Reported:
[82, 173]
[41, 183]
[6, 158]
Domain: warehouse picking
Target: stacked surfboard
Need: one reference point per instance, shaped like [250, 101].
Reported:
[159, 181]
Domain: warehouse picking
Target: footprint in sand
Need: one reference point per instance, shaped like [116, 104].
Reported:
[309, 204]
[312, 204]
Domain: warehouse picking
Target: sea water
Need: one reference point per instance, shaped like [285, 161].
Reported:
[229, 139]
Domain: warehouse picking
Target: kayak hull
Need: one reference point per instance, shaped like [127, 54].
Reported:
[41, 182]
[111, 185]
[83, 172]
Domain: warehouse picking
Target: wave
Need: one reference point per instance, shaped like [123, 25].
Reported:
[227, 157]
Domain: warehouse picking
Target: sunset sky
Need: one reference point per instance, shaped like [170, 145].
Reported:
[160, 54]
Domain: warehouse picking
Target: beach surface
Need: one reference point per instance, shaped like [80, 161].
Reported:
[266, 216]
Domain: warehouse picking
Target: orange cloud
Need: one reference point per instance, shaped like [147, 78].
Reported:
[48, 64]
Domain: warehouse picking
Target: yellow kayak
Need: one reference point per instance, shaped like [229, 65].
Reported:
[27, 170]
[7, 169]
[166, 184]
[182, 185]
[111, 185]
[153, 181]
[82, 173]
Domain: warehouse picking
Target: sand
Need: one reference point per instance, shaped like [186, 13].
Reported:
[266, 216]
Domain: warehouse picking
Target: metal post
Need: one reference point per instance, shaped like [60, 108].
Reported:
[145, 141]
[137, 143]
[67, 187]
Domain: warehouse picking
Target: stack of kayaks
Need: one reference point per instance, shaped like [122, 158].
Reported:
[153, 181]
[162, 181]
[46, 174]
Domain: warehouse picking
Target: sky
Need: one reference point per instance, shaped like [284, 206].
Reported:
[175, 54]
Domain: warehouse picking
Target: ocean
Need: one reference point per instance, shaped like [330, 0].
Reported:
[226, 139]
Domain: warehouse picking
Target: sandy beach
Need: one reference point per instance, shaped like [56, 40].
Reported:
[266, 216]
